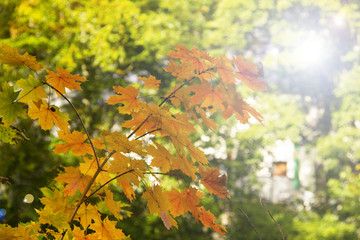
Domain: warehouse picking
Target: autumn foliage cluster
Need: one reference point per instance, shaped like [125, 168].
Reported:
[81, 205]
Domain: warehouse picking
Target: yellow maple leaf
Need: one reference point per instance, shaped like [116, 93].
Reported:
[75, 180]
[161, 157]
[157, 200]
[87, 213]
[64, 79]
[74, 142]
[29, 231]
[12, 57]
[48, 115]
[106, 230]
[121, 143]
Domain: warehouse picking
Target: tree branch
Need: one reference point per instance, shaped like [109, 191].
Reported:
[278, 225]
[247, 217]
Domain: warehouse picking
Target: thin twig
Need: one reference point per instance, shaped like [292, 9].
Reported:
[117, 176]
[81, 121]
[247, 217]
[147, 133]
[167, 98]
[278, 225]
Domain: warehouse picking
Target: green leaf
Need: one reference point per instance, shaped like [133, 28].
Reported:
[8, 134]
[32, 90]
[10, 110]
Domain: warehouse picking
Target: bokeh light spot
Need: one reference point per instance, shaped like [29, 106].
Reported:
[2, 214]
[29, 198]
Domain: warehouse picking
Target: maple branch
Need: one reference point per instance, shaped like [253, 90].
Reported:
[107, 182]
[167, 98]
[81, 121]
[147, 133]
[247, 217]
[278, 225]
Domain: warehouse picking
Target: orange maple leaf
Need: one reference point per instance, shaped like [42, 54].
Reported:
[225, 69]
[74, 142]
[128, 97]
[151, 82]
[214, 181]
[64, 79]
[249, 74]
[12, 57]
[183, 72]
[128, 189]
[48, 115]
[234, 104]
[195, 57]
[208, 220]
[208, 96]
[75, 180]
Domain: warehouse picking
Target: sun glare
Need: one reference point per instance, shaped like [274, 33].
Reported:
[310, 51]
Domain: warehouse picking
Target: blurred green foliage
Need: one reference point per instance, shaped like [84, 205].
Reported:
[110, 42]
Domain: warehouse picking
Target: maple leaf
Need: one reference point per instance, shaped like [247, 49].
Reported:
[122, 164]
[106, 230]
[121, 143]
[112, 205]
[79, 234]
[249, 74]
[191, 201]
[89, 167]
[225, 69]
[58, 203]
[176, 200]
[29, 231]
[12, 57]
[183, 72]
[208, 96]
[128, 97]
[33, 89]
[74, 142]
[87, 213]
[158, 203]
[75, 180]
[236, 105]
[64, 79]
[128, 189]
[194, 56]
[139, 118]
[57, 219]
[48, 115]
[210, 123]
[151, 82]
[196, 154]
[185, 165]
[10, 110]
[214, 181]
[161, 157]
[208, 220]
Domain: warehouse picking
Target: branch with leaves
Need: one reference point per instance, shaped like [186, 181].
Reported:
[204, 85]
